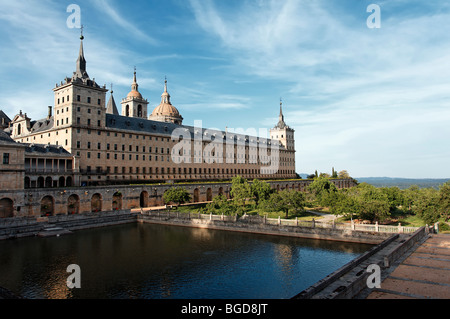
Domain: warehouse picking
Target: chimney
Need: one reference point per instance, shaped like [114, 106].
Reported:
[49, 112]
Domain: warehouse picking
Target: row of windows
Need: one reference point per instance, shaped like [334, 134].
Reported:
[88, 100]
[179, 170]
[156, 150]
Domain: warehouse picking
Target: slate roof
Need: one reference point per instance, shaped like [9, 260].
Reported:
[111, 108]
[41, 125]
[7, 120]
[47, 150]
[120, 122]
[5, 139]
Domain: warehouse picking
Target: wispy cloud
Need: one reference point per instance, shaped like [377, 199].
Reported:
[351, 90]
[132, 31]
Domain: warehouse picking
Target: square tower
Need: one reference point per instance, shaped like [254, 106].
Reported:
[134, 104]
[283, 132]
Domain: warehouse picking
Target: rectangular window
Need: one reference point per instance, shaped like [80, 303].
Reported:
[6, 158]
[78, 99]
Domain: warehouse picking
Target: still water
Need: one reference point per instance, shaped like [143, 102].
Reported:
[162, 262]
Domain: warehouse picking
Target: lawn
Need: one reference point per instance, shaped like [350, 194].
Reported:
[251, 210]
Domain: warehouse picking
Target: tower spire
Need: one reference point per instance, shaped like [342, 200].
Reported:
[281, 110]
[281, 123]
[111, 108]
[81, 61]
[165, 97]
[135, 86]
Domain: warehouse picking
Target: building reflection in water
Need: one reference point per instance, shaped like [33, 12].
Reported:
[159, 262]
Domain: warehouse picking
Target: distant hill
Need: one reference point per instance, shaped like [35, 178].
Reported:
[399, 182]
[402, 182]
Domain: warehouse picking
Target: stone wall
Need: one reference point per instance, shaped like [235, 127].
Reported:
[230, 223]
[80, 200]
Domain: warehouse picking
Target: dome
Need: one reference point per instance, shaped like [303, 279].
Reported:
[165, 109]
[134, 94]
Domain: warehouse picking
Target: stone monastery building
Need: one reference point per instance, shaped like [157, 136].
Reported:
[85, 141]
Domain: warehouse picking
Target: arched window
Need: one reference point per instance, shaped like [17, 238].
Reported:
[73, 204]
[117, 201]
[96, 203]
[47, 206]
[6, 208]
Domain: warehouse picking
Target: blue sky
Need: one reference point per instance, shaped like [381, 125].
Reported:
[375, 102]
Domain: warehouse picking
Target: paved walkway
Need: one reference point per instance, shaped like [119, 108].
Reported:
[425, 274]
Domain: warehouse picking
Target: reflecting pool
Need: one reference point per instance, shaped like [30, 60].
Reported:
[145, 261]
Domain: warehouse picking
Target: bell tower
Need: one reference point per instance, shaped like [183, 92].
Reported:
[79, 100]
[283, 132]
[134, 105]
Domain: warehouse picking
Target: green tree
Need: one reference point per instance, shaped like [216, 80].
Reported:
[373, 203]
[345, 203]
[395, 197]
[177, 195]
[444, 200]
[260, 190]
[323, 190]
[334, 174]
[343, 174]
[221, 205]
[240, 190]
[285, 201]
[410, 196]
[427, 205]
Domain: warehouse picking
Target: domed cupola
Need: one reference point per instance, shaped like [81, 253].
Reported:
[165, 111]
